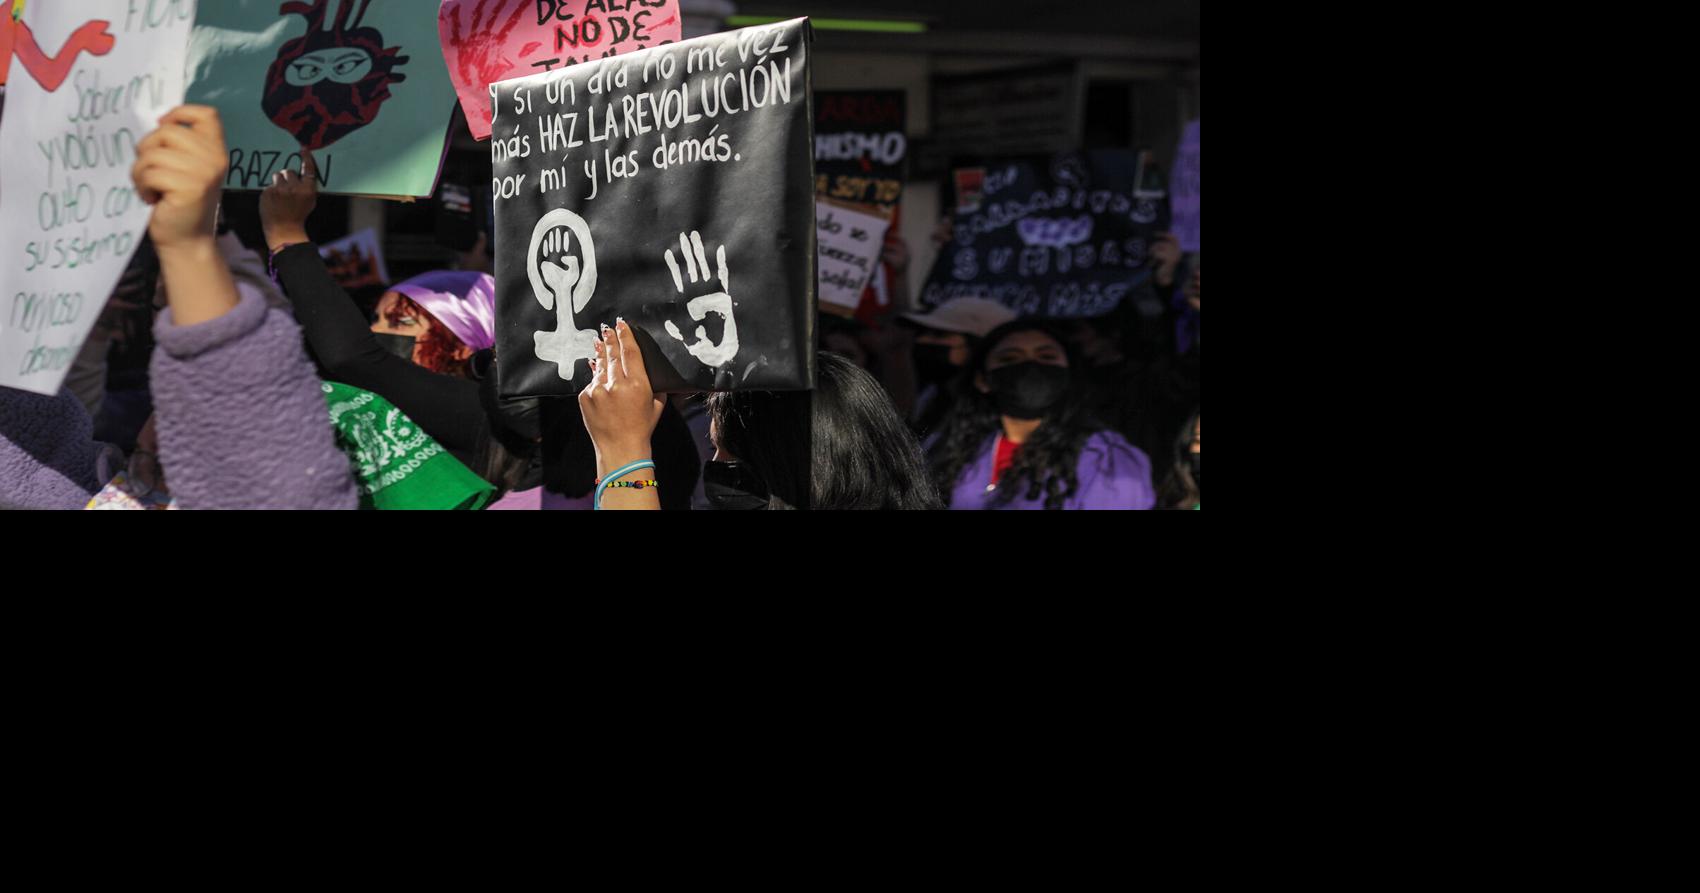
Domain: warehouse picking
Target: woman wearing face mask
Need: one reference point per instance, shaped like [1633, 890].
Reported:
[430, 352]
[1021, 437]
[761, 450]
[944, 341]
[427, 351]
[417, 358]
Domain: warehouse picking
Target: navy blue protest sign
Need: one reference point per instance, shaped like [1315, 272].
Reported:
[1067, 236]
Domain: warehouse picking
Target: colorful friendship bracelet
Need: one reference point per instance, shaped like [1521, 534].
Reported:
[634, 485]
[613, 479]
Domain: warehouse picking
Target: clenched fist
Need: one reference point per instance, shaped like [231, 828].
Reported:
[180, 171]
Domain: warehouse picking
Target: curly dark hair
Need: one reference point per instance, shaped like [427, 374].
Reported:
[1046, 464]
[438, 348]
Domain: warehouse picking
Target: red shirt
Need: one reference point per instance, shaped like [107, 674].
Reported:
[1004, 459]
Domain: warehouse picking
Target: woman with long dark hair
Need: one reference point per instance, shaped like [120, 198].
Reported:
[762, 453]
[1021, 434]
[863, 455]
[839, 447]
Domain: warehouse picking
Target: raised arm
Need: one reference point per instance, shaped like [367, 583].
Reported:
[241, 415]
[620, 412]
[446, 407]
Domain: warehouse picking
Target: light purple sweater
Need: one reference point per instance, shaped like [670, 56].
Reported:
[242, 424]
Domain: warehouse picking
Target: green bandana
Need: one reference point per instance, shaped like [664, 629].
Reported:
[397, 465]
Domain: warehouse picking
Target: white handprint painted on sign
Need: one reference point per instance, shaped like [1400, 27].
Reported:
[707, 352]
[564, 287]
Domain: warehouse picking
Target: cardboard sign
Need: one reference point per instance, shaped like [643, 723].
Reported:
[1067, 238]
[860, 146]
[673, 187]
[488, 41]
[69, 214]
[1184, 188]
[850, 245]
[360, 83]
[357, 261]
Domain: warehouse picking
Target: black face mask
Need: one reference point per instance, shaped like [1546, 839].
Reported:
[400, 345]
[932, 364]
[730, 487]
[1028, 390]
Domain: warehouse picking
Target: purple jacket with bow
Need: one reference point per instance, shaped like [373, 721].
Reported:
[241, 418]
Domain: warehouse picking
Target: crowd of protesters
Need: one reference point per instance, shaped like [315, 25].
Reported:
[225, 377]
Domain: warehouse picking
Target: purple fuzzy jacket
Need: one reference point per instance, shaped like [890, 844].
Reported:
[242, 424]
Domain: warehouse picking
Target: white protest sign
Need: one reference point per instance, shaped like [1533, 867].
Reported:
[850, 244]
[69, 216]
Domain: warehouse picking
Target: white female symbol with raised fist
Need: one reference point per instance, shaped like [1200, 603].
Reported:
[564, 287]
[562, 269]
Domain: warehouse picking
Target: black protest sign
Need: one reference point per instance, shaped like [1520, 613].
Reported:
[1067, 236]
[860, 146]
[673, 187]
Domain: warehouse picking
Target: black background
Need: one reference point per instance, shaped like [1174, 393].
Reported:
[873, 112]
[760, 207]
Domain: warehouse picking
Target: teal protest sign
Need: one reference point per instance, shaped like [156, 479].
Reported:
[360, 83]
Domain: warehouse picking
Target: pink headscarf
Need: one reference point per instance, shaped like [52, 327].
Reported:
[464, 301]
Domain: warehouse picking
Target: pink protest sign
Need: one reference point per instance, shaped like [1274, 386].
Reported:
[486, 41]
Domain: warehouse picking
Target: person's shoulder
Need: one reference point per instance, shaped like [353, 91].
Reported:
[1114, 451]
[1123, 472]
[1111, 443]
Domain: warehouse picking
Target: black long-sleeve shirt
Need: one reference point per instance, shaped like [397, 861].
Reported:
[446, 407]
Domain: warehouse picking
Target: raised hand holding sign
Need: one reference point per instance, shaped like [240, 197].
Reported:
[360, 83]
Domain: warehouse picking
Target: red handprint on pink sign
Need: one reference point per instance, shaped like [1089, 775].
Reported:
[487, 41]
